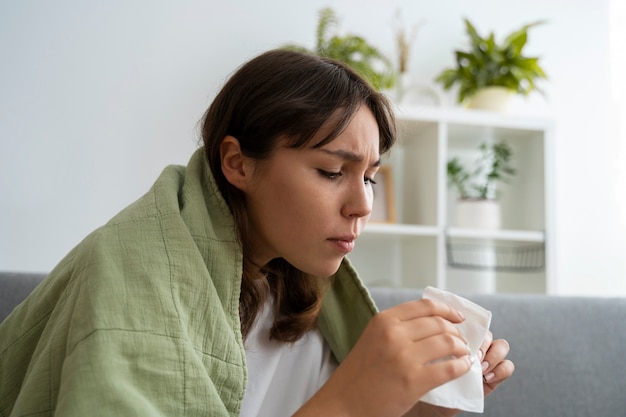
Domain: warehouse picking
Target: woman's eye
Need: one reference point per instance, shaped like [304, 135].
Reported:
[369, 181]
[330, 175]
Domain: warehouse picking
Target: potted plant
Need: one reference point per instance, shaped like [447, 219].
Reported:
[477, 204]
[352, 50]
[489, 68]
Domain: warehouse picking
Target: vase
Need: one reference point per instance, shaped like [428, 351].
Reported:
[491, 98]
[478, 214]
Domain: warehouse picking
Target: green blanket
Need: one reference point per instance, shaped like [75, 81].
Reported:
[141, 318]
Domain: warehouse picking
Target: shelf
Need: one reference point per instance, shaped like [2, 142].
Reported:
[518, 235]
[393, 229]
[471, 117]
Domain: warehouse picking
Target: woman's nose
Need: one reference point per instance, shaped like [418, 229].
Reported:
[358, 201]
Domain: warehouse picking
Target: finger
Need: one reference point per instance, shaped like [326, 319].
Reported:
[447, 370]
[498, 350]
[424, 327]
[423, 308]
[438, 348]
[484, 347]
[499, 374]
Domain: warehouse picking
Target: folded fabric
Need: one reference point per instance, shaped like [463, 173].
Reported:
[466, 392]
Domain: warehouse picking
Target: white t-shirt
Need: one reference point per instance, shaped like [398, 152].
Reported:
[283, 376]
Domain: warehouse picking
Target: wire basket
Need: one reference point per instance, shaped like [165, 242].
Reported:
[496, 256]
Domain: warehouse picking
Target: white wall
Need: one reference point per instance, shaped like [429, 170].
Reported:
[97, 97]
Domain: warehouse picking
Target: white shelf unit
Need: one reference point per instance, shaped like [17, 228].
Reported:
[412, 252]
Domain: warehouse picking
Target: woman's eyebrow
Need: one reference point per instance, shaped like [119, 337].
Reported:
[347, 155]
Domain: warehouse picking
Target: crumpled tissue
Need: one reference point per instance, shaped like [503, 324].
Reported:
[466, 392]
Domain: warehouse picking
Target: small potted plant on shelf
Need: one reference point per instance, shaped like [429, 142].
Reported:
[477, 204]
[352, 50]
[488, 73]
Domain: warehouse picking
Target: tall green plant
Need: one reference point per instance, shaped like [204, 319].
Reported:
[492, 166]
[488, 63]
[352, 50]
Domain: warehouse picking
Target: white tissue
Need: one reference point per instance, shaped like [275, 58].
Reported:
[466, 392]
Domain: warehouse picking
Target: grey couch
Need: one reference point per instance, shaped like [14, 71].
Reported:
[570, 353]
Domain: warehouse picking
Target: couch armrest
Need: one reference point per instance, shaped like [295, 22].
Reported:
[14, 288]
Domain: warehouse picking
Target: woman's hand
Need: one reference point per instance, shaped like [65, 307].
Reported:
[496, 369]
[403, 353]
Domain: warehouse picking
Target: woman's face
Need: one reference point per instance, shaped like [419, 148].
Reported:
[309, 205]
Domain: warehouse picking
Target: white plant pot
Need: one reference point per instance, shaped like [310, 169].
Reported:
[491, 98]
[478, 214]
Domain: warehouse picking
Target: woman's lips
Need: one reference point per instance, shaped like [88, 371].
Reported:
[344, 244]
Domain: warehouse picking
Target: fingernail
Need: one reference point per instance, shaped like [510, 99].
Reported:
[471, 358]
[480, 354]
[460, 315]
[485, 365]
[489, 376]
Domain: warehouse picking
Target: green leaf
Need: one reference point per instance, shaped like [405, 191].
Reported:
[473, 34]
[327, 21]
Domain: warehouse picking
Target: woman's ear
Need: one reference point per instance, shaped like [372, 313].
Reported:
[235, 165]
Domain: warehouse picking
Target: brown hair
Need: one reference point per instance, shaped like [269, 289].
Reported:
[284, 94]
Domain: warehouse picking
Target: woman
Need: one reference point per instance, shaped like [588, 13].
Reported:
[225, 289]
